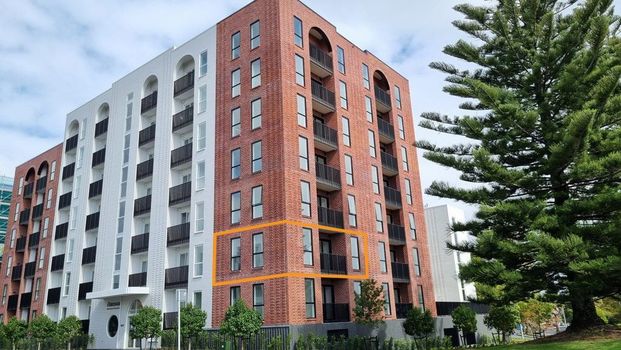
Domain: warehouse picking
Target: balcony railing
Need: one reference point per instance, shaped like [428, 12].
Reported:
[25, 300]
[328, 178]
[95, 189]
[37, 211]
[170, 320]
[41, 182]
[148, 102]
[325, 136]
[24, 216]
[335, 313]
[396, 234]
[53, 296]
[16, 273]
[383, 100]
[12, 303]
[400, 272]
[99, 157]
[58, 262]
[20, 245]
[33, 239]
[331, 263]
[83, 289]
[176, 277]
[330, 217]
[137, 279]
[71, 143]
[386, 131]
[61, 231]
[142, 205]
[389, 164]
[180, 193]
[402, 309]
[29, 269]
[92, 221]
[68, 171]
[178, 234]
[183, 118]
[146, 135]
[393, 198]
[183, 84]
[181, 155]
[144, 169]
[28, 189]
[64, 201]
[324, 96]
[140, 243]
[88, 255]
[321, 62]
[101, 127]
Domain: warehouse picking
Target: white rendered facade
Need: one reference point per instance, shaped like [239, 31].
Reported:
[445, 263]
[121, 104]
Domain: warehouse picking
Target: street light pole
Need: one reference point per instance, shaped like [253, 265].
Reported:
[180, 292]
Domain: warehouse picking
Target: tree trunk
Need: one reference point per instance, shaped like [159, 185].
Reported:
[189, 343]
[584, 315]
[69, 345]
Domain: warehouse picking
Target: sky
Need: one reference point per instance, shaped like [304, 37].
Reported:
[57, 55]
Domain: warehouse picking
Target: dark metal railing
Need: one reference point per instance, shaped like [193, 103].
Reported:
[148, 102]
[176, 277]
[140, 243]
[183, 118]
[392, 196]
[12, 303]
[29, 269]
[181, 155]
[99, 157]
[382, 96]
[83, 289]
[37, 211]
[20, 245]
[184, 83]
[324, 95]
[386, 129]
[33, 239]
[68, 171]
[144, 169]
[95, 189]
[92, 221]
[400, 271]
[180, 193]
[146, 135]
[53, 296]
[101, 127]
[331, 263]
[16, 273]
[71, 143]
[61, 231]
[58, 262]
[396, 234]
[25, 300]
[330, 217]
[178, 234]
[170, 320]
[328, 174]
[388, 161]
[321, 58]
[88, 255]
[41, 182]
[28, 189]
[24, 216]
[64, 200]
[142, 205]
[402, 309]
[335, 313]
[325, 133]
[137, 279]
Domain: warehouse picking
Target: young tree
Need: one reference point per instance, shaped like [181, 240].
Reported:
[68, 329]
[503, 319]
[465, 321]
[15, 330]
[541, 150]
[418, 324]
[369, 306]
[241, 321]
[42, 329]
[192, 322]
[535, 313]
[146, 324]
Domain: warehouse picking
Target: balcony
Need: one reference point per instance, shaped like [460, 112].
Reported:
[182, 121]
[24, 216]
[61, 231]
[12, 303]
[330, 217]
[29, 269]
[101, 128]
[140, 243]
[28, 189]
[99, 158]
[331, 263]
[178, 234]
[402, 310]
[142, 205]
[180, 193]
[386, 131]
[148, 103]
[41, 182]
[68, 171]
[25, 300]
[396, 234]
[170, 320]
[389, 164]
[88, 255]
[71, 143]
[326, 138]
[53, 296]
[181, 155]
[16, 273]
[335, 313]
[321, 62]
[393, 198]
[328, 178]
[83, 289]
[382, 100]
[176, 277]
[20, 245]
[184, 84]
[400, 272]
[33, 239]
[37, 212]
[137, 280]
[144, 170]
[95, 189]
[92, 221]
[64, 201]
[323, 99]
[146, 136]
[58, 263]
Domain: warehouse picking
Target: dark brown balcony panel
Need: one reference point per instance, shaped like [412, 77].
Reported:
[178, 234]
[402, 309]
[386, 131]
[140, 243]
[330, 217]
[180, 193]
[389, 164]
[29, 269]
[176, 277]
[64, 201]
[33, 239]
[61, 231]
[20, 245]
[181, 155]
[12, 303]
[53, 296]
[28, 189]
[382, 99]
[144, 170]
[25, 300]
[137, 279]
[41, 183]
[68, 171]
[88, 255]
[326, 138]
[16, 273]
[393, 198]
[335, 313]
[95, 189]
[170, 320]
[85, 325]
[142, 205]
[84, 288]
[321, 62]
[37, 211]
[99, 157]
[148, 102]
[92, 221]
[146, 135]
[101, 127]
[323, 99]
[331, 263]
[71, 143]
[184, 84]
[396, 234]
[58, 262]
[328, 178]
[183, 119]
[24, 216]
[400, 272]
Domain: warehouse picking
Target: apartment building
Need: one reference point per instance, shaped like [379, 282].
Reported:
[268, 159]
[6, 190]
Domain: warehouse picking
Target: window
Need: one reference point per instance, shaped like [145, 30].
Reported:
[198, 299]
[412, 225]
[357, 288]
[372, 151]
[67, 281]
[351, 204]
[303, 152]
[235, 164]
[386, 298]
[16, 212]
[365, 76]
[72, 217]
[235, 207]
[404, 159]
[52, 171]
[340, 53]
[257, 158]
[9, 265]
[69, 250]
[375, 179]
[257, 202]
[4, 291]
[235, 254]
[48, 205]
[202, 136]
[346, 135]
[299, 70]
[235, 122]
[382, 256]
[309, 290]
[41, 257]
[401, 127]
[398, 96]
[416, 261]
[202, 98]
[203, 64]
[198, 260]
[307, 240]
[21, 186]
[255, 73]
[118, 252]
[421, 297]
[235, 294]
[306, 198]
[343, 94]
[368, 105]
[257, 298]
[408, 191]
[355, 253]
[46, 226]
[13, 232]
[235, 83]
[235, 45]
[78, 164]
[301, 111]
[255, 35]
[349, 170]
[379, 218]
[257, 250]
[297, 32]
[255, 119]
[200, 217]
[200, 175]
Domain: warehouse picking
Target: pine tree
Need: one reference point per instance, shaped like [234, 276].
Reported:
[542, 149]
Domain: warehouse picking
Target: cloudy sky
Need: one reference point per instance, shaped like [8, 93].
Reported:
[56, 55]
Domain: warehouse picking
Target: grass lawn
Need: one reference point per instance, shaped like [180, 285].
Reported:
[595, 344]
